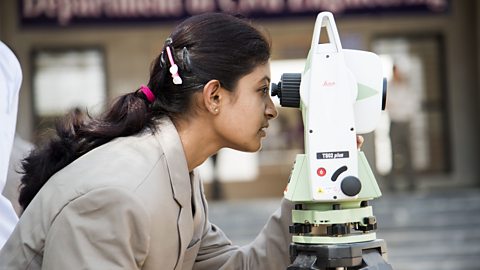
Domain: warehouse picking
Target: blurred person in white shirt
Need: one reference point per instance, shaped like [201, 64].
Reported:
[10, 81]
[402, 106]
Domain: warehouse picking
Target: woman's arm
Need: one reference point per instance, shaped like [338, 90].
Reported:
[270, 250]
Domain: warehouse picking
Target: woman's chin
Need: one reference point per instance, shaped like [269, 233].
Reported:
[257, 147]
[252, 148]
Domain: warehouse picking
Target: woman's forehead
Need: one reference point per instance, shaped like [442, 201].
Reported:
[261, 73]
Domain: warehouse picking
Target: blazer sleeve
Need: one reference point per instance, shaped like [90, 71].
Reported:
[270, 250]
[107, 228]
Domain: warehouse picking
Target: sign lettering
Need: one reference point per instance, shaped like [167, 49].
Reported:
[93, 12]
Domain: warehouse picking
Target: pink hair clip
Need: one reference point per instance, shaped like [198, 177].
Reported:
[174, 68]
[148, 93]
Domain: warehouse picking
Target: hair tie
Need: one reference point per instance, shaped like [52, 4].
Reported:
[148, 93]
[174, 68]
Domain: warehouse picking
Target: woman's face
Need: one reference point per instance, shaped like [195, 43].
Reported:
[245, 112]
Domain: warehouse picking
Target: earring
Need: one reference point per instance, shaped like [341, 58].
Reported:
[215, 110]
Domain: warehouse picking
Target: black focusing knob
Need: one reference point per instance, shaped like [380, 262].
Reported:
[276, 89]
[351, 186]
[288, 89]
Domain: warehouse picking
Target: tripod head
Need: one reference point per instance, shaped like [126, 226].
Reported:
[341, 93]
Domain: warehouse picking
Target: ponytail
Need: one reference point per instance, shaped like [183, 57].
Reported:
[77, 134]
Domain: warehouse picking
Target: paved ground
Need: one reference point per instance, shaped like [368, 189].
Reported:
[427, 231]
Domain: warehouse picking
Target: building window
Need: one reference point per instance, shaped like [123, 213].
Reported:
[416, 118]
[65, 80]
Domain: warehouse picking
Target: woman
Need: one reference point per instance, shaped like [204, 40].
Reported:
[121, 191]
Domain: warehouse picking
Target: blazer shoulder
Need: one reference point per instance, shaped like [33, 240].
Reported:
[124, 162]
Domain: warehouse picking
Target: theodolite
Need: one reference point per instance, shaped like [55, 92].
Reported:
[341, 93]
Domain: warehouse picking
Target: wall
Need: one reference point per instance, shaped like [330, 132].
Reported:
[477, 30]
[129, 51]
[462, 81]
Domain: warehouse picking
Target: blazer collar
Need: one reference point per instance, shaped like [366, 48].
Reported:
[167, 136]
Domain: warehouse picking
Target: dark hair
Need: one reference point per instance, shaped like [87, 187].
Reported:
[205, 47]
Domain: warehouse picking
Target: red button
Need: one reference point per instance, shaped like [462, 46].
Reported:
[321, 172]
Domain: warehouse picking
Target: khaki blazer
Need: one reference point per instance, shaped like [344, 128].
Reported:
[132, 204]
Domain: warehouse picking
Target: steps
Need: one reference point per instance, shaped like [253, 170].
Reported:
[427, 231]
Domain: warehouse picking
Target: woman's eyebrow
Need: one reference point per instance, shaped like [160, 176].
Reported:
[265, 78]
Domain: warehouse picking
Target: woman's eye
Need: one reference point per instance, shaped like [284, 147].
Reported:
[265, 90]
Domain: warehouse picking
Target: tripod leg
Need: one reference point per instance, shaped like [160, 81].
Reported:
[304, 262]
[374, 261]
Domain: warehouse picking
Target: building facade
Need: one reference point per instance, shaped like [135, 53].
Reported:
[436, 44]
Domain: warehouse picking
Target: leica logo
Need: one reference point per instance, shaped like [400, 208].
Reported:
[328, 83]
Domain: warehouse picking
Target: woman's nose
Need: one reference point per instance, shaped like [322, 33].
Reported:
[271, 110]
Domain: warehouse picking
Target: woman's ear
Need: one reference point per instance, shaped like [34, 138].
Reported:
[212, 96]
